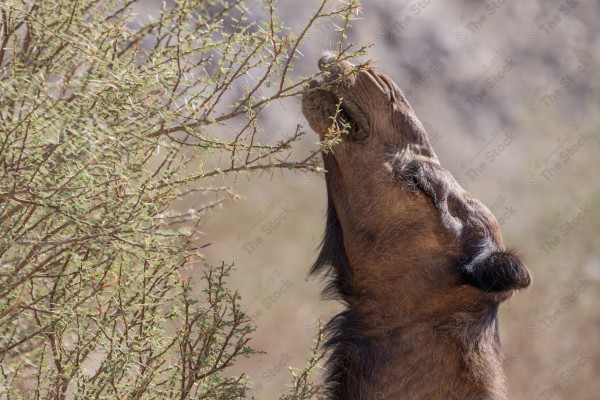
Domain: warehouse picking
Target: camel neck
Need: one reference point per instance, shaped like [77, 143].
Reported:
[447, 361]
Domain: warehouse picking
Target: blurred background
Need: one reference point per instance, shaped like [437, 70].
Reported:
[509, 93]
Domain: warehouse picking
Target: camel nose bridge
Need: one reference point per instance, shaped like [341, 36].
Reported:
[374, 82]
[376, 92]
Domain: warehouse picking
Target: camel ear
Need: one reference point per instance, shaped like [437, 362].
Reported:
[496, 272]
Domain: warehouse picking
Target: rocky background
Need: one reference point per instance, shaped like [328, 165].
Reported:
[509, 93]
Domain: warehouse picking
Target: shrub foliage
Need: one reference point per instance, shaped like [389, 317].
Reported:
[111, 114]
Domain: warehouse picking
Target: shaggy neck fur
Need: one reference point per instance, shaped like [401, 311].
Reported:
[455, 356]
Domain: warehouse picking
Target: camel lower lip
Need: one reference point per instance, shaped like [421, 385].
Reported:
[502, 296]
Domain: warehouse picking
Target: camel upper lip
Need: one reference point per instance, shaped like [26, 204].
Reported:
[344, 115]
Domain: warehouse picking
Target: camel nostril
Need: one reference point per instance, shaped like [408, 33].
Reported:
[326, 60]
[312, 84]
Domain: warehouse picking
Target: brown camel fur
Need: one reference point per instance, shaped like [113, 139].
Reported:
[418, 262]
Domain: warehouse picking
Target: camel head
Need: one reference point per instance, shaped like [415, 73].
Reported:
[401, 232]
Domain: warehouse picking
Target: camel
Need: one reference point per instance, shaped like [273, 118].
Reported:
[418, 262]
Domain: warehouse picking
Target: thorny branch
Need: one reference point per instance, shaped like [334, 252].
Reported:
[109, 121]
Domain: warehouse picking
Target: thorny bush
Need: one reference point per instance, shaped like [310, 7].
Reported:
[108, 120]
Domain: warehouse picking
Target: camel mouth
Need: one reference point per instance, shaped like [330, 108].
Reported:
[327, 113]
[346, 123]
